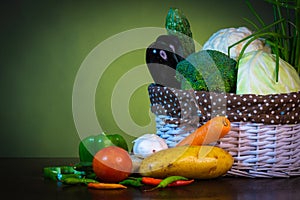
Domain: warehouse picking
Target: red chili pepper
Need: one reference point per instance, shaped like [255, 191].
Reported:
[180, 183]
[151, 181]
[156, 181]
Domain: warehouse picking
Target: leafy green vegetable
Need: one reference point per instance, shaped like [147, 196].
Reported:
[208, 70]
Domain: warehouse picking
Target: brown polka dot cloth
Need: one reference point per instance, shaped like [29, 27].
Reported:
[200, 105]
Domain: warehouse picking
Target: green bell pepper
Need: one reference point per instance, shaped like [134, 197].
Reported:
[90, 145]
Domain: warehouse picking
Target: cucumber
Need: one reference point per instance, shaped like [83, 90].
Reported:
[177, 24]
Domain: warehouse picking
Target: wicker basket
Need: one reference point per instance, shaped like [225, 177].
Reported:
[265, 134]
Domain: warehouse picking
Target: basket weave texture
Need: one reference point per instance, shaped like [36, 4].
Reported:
[265, 129]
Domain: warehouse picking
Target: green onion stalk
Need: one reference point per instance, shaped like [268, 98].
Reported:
[283, 35]
[297, 41]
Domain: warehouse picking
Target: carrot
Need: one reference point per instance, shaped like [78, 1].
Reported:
[211, 131]
[105, 186]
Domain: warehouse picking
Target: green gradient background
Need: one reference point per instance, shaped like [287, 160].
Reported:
[43, 44]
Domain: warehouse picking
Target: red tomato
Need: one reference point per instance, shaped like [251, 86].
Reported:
[112, 164]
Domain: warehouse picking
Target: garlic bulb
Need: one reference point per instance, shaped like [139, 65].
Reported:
[148, 144]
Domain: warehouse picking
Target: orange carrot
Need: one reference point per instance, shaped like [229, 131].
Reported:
[106, 186]
[211, 131]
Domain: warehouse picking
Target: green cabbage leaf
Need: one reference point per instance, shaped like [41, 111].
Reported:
[257, 75]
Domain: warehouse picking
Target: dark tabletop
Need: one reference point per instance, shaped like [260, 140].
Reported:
[22, 178]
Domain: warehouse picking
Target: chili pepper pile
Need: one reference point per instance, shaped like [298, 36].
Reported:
[171, 181]
[81, 174]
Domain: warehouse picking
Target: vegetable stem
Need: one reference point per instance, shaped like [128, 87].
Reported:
[283, 34]
[255, 13]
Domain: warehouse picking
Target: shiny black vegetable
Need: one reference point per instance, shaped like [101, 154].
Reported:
[162, 57]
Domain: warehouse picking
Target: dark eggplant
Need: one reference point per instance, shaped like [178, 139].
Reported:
[162, 57]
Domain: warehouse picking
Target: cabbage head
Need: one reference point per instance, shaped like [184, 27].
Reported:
[257, 75]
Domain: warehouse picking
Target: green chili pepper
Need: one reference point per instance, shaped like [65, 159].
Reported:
[51, 173]
[56, 173]
[90, 145]
[84, 166]
[61, 172]
[165, 182]
[76, 181]
[91, 175]
[136, 182]
[61, 177]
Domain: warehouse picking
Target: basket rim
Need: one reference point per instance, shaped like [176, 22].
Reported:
[283, 108]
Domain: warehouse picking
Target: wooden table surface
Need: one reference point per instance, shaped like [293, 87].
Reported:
[22, 178]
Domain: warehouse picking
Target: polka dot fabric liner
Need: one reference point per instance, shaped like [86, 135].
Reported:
[184, 104]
